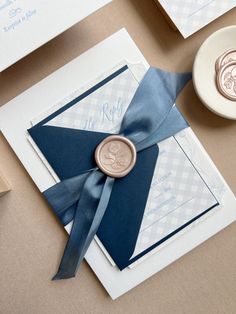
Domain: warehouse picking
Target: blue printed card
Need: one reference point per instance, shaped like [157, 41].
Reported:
[189, 16]
[171, 205]
[178, 196]
[26, 25]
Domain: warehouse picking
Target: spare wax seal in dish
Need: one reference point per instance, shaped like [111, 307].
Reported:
[214, 73]
[226, 57]
[226, 80]
[115, 156]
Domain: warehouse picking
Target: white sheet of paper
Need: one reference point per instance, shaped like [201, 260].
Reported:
[189, 16]
[15, 119]
[26, 25]
[178, 193]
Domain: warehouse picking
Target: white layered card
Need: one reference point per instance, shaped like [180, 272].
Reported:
[26, 25]
[179, 193]
[189, 16]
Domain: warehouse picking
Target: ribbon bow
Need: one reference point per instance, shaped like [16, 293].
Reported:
[150, 118]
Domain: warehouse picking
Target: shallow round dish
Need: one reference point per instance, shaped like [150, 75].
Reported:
[204, 72]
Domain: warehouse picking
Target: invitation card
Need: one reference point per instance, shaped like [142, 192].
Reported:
[26, 25]
[189, 16]
[183, 196]
[178, 196]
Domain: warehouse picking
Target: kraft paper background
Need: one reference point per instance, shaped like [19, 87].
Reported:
[32, 240]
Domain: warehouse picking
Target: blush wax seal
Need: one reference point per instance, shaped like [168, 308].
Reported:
[116, 156]
[214, 72]
[226, 57]
[226, 80]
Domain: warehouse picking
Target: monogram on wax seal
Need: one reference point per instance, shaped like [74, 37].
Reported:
[226, 80]
[226, 57]
[116, 156]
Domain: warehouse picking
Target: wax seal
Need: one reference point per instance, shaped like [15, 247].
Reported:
[226, 80]
[116, 156]
[226, 57]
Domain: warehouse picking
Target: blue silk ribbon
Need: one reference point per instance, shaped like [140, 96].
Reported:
[150, 118]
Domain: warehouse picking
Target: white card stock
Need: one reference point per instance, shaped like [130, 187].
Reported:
[26, 25]
[16, 117]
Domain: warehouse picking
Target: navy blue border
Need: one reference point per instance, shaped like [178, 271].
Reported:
[134, 259]
[84, 95]
[184, 225]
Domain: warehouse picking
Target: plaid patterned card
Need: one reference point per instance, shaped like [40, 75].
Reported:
[189, 16]
[178, 196]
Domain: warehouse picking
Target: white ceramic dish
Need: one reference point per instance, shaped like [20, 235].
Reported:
[204, 73]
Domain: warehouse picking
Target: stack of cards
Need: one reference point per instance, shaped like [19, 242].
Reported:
[188, 200]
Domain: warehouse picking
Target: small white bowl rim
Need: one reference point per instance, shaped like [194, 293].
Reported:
[222, 113]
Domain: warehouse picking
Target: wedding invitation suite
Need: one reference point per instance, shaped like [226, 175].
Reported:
[189, 16]
[184, 197]
[26, 25]
[178, 195]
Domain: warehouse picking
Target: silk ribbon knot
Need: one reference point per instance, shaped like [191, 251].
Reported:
[150, 118]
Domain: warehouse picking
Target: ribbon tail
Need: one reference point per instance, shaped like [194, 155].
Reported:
[63, 196]
[89, 213]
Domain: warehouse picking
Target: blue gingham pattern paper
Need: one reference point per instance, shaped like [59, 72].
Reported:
[191, 15]
[177, 195]
[177, 192]
[103, 110]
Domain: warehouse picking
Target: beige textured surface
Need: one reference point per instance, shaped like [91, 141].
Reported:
[4, 185]
[31, 239]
